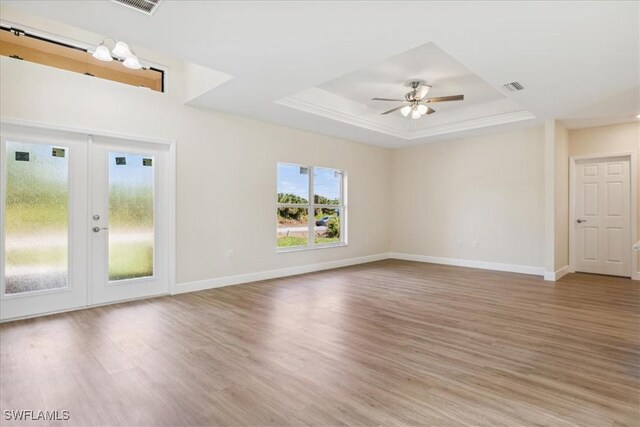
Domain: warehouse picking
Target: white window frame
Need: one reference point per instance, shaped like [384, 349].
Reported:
[311, 207]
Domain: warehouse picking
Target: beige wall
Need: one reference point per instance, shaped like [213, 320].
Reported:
[621, 138]
[605, 139]
[561, 195]
[420, 200]
[226, 165]
[487, 189]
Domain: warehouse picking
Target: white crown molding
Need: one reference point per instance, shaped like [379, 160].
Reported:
[351, 119]
[499, 119]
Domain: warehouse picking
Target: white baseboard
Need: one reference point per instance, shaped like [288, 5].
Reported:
[219, 282]
[556, 275]
[485, 265]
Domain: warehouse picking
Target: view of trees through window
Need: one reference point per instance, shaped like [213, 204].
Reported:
[303, 191]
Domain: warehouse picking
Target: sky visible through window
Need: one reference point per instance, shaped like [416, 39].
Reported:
[292, 181]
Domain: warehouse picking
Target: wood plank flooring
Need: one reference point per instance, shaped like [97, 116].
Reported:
[386, 343]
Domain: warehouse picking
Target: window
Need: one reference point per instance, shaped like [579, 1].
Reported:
[311, 211]
[21, 45]
[36, 217]
[131, 216]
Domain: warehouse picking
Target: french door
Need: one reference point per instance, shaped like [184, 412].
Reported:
[84, 221]
[128, 253]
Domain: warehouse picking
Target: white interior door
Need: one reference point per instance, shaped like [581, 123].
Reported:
[44, 221]
[603, 216]
[129, 221]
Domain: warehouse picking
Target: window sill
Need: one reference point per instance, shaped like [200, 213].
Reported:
[310, 248]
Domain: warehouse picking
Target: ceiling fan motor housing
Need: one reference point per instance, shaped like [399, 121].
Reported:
[412, 96]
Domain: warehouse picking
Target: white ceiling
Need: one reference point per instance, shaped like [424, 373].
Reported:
[297, 61]
[348, 98]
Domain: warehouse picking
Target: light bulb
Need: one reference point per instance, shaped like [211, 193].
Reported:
[405, 110]
[132, 62]
[423, 109]
[102, 53]
[415, 114]
[122, 50]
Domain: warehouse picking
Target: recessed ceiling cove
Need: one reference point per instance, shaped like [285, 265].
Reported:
[348, 98]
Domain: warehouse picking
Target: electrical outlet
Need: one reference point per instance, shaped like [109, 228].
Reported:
[474, 243]
[230, 254]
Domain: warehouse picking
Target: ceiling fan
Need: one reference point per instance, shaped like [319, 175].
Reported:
[415, 102]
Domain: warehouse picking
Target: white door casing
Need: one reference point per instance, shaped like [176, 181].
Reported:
[601, 217]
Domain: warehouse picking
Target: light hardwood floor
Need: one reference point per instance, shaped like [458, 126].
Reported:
[387, 343]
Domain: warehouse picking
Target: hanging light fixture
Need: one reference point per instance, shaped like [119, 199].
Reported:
[102, 53]
[121, 51]
[405, 110]
[132, 62]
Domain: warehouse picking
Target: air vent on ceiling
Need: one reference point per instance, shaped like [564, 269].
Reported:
[513, 86]
[144, 6]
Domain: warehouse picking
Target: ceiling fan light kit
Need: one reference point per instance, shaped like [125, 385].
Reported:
[121, 51]
[415, 101]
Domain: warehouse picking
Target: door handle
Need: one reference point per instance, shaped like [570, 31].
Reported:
[97, 229]
[580, 221]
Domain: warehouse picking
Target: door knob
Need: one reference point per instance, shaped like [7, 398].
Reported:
[97, 229]
[580, 221]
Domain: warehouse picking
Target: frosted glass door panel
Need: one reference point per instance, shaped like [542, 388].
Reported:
[129, 207]
[36, 217]
[131, 216]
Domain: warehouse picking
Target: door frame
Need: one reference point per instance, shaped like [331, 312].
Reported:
[573, 161]
[171, 197]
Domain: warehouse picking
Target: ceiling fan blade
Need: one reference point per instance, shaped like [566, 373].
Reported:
[422, 91]
[445, 98]
[387, 99]
[393, 109]
[430, 111]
